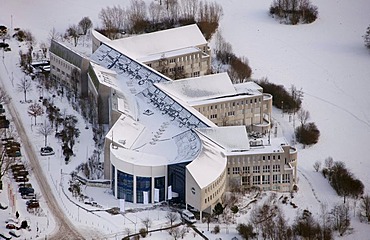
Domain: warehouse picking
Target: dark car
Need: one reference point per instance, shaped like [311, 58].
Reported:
[45, 151]
[32, 201]
[26, 190]
[10, 226]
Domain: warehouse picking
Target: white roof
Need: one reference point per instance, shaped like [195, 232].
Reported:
[230, 138]
[209, 164]
[249, 87]
[200, 88]
[144, 45]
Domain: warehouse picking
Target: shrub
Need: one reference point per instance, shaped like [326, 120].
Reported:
[246, 231]
[282, 98]
[143, 232]
[307, 134]
[216, 229]
[292, 12]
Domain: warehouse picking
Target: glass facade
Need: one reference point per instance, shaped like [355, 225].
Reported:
[159, 183]
[113, 180]
[125, 186]
[143, 184]
[176, 179]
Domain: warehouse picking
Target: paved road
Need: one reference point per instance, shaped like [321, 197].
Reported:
[64, 228]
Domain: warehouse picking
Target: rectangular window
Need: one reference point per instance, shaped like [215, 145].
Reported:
[246, 169]
[276, 168]
[276, 178]
[286, 178]
[256, 180]
[266, 168]
[236, 170]
[256, 169]
[265, 179]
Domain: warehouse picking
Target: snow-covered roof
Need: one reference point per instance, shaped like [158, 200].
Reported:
[230, 138]
[200, 88]
[249, 87]
[168, 54]
[209, 164]
[160, 42]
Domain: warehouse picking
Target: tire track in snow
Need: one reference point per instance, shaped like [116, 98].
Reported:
[309, 183]
[341, 108]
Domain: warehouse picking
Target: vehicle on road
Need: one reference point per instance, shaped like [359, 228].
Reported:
[46, 151]
[10, 226]
[188, 216]
[28, 196]
[14, 233]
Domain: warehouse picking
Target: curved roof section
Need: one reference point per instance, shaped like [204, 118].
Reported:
[209, 165]
[160, 42]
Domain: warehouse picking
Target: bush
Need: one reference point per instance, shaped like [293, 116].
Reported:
[282, 98]
[143, 232]
[246, 231]
[292, 12]
[367, 37]
[307, 134]
[216, 229]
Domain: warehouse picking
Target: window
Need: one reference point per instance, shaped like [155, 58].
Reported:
[125, 186]
[236, 170]
[232, 113]
[286, 178]
[246, 169]
[172, 60]
[256, 180]
[196, 74]
[143, 184]
[149, 65]
[265, 179]
[276, 178]
[213, 116]
[256, 169]
[266, 168]
[228, 171]
[245, 181]
[276, 168]
[263, 158]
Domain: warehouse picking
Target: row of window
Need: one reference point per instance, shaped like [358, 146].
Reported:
[255, 169]
[229, 104]
[244, 160]
[265, 179]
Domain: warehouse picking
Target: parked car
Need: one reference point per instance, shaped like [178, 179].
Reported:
[188, 216]
[21, 172]
[17, 166]
[25, 190]
[32, 201]
[46, 151]
[28, 196]
[21, 179]
[14, 233]
[33, 205]
[10, 226]
[29, 185]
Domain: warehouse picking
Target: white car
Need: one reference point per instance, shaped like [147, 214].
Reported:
[46, 151]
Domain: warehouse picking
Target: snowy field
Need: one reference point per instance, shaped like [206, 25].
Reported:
[327, 59]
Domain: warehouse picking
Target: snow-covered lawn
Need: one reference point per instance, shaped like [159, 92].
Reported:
[327, 59]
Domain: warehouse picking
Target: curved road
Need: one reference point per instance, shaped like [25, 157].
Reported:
[64, 228]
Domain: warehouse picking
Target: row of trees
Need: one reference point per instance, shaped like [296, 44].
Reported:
[140, 18]
[341, 179]
[294, 11]
[239, 70]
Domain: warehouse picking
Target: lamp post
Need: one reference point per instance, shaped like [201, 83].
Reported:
[282, 108]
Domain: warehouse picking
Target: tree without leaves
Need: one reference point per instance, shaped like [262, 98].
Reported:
[341, 218]
[171, 217]
[5, 163]
[303, 116]
[35, 110]
[113, 19]
[45, 130]
[147, 222]
[329, 162]
[367, 37]
[365, 207]
[73, 31]
[4, 97]
[85, 24]
[317, 166]
[25, 87]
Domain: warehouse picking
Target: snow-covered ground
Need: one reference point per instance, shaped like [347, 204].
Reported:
[327, 59]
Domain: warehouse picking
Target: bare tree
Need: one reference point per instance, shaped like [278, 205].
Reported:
[85, 24]
[189, 9]
[317, 166]
[35, 110]
[137, 16]
[365, 207]
[341, 218]
[177, 232]
[155, 12]
[303, 116]
[4, 97]
[147, 222]
[24, 86]
[45, 130]
[73, 32]
[113, 19]
[329, 162]
[5, 163]
[172, 217]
